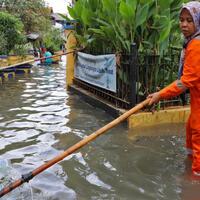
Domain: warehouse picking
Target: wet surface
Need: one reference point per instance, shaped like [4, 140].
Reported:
[39, 119]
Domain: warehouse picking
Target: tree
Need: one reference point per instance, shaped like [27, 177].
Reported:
[35, 17]
[11, 32]
[53, 39]
[3, 43]
[33, 13]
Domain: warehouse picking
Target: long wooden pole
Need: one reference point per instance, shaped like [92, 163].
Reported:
[37, 59]
[78, 145]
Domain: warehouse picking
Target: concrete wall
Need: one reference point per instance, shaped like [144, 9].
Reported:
[13, 59]
[168, 116]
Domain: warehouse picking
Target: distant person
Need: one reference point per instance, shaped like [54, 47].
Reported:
[42, 52]
[48, 60]
[189, 78]
[62, 48]
[35, 53]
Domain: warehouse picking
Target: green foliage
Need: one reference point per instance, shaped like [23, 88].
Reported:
[113, 25]
[32, 13]
[10, 32]
[53, 40]
[35, 18]
[3, 42]
[21, 49]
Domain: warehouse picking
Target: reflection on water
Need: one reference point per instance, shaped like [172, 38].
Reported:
[39, 119]
[157, 130]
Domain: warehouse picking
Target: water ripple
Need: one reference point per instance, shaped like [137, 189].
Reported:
[39, 120]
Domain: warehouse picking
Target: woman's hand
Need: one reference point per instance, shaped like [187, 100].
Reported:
[154, 98]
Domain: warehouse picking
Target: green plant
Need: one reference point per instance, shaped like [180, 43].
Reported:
[32, 13]
[105, 26]
[121, 22]
[11, 30]
[111, 26]
[53, 39]
[3, 42]
[21, 49]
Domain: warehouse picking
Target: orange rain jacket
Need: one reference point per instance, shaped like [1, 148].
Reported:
[191, 80]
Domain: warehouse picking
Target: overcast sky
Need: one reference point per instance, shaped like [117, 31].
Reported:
[59, 6]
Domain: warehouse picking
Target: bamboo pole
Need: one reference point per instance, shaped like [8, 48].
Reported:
[37, 59]
[78, 145]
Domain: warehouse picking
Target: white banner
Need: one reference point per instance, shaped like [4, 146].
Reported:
[97, 70]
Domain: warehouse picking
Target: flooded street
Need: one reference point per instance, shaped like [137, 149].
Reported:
[40, 119]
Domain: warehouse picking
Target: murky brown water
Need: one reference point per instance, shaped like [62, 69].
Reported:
[39, 119]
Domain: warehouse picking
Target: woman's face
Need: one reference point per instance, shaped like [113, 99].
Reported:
[186, 23]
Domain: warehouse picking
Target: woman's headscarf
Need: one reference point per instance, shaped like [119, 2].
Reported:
[194, 9]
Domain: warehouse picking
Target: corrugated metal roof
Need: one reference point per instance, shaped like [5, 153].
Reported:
[57, 17]
[33, 36]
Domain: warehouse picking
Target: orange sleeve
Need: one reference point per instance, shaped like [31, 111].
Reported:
[171, 90]
[191, 70]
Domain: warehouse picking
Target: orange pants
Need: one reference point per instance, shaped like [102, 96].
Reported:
[193, 146]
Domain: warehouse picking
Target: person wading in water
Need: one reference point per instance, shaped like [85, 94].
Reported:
[188, 78]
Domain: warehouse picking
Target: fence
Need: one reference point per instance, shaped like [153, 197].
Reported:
[155, 72]
[137, 76]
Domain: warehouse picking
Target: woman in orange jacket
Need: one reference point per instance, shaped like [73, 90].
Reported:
[189, 78]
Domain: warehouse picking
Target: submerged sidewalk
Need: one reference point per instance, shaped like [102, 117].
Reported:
[172, 115]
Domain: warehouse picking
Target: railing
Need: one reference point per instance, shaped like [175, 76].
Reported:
[126, 83]
[137, 76]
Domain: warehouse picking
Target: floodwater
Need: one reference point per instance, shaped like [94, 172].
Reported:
[39, 119]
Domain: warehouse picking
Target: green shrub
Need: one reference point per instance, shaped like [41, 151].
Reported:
[53, 39]
[11, 31]
[107, 26]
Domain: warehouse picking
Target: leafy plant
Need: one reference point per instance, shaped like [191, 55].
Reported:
[3, 43]
[53, 39]
[34, 17]
[149, 23]
[32, 13]
[11, 30]
[105, 26]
